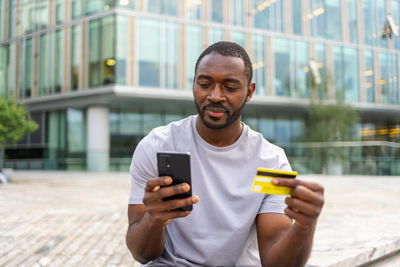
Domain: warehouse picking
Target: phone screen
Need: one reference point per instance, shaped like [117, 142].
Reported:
[176, 165]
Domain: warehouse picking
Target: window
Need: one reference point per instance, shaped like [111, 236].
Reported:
[164, 7]
[267, 128]
[291, 67]
[121, 49]
[268, 14]
[27, 16]
[60, 11]
[102, 51]
[76, 137]
[237, 13]
[283, 133]
[92, 6]
[76, 55]
[297, 18]
[259, 60]
[369, 76]
[215, 35]
[320, 61]
[193, 9]
[12, 17]
[194, 48]
[131, 4]
[345, 73]
[3, 70]
[11, 69]
[58, 62]
[217, 10]
[2, 19]
[158, 53]
[325, 18]
[42, 14]
[396, 18]
[76, 8]
[239, 38]
[352, 20]
[26, 68]
[281, 66]
[388, 80]
[374, 15]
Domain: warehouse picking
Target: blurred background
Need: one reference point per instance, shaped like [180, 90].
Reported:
[97, 76]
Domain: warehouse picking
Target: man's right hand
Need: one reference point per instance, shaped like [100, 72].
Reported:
[161, 212]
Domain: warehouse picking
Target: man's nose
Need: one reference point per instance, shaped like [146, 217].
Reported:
[216, 94]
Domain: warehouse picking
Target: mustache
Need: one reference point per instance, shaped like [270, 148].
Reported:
[215, 105]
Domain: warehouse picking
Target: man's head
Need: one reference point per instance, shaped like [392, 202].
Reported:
[222, 84]
[229, 49]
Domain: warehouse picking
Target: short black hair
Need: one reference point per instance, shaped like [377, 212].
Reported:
[229, 49]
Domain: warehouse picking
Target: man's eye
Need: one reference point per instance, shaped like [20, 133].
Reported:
[204, 85]
[230, 88]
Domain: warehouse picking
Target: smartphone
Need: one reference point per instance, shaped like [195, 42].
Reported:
[176, 165]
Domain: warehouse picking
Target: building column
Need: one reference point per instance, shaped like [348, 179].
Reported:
[98, 138]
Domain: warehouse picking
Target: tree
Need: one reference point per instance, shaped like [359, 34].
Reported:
[15, 122]
[328, 121]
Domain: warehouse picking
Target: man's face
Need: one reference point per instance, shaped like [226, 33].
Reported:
[220, 90]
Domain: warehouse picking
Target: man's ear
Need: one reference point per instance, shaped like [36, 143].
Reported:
[250, 91]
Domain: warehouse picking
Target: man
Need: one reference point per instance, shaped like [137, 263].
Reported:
[229, 225]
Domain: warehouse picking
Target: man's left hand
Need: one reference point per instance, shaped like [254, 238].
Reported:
[305, 202]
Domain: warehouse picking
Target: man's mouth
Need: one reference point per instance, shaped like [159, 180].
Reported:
[215, 112]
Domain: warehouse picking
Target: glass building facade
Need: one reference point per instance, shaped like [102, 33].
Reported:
[135, 59]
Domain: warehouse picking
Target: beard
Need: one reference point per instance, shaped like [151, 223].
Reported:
[232, 117]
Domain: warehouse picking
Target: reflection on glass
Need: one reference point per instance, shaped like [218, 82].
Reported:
[369, 76]
[346, 73]
[60, 11]
[388, 80]
[122, 46]
[76, 8]
[91, 6]
[102, 51]
[44, 64]
[25, 73]
[12, 16]
[131, 4]
[217, 10]
[239, 38]
[76, 55]
[193, 9]
[151, 121]
[259, 62]
[320, 60]
[268, 14]
[281, 67]
[374, 15]
[76, 130]
[352, 20]
[165, 7]
[59, 62]
[2, 20]
[158, 53]
[283, 133]
[324, 17]
[267, 128]
[297, 130]
[297, 21]
[42, 14]
[27, 16]
[396, 18]
[300, 62]
[194, 40]
[3, 70]
[215, 35]
[237, 12]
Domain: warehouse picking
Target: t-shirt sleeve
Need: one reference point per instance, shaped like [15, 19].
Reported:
[143, 167]
[276, 203]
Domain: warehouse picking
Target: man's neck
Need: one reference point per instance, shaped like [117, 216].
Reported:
[220, 137]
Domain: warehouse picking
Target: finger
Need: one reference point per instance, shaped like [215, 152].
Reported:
[173, 190]
[180, 203]
[305, 194]
[313, 186]
[300, 218]
[163, 218]
[157, 182]
[303, 207]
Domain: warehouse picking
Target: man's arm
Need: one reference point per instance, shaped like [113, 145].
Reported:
[281, 242]
[145, 235]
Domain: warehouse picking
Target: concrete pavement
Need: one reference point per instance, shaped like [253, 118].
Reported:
[79, 219]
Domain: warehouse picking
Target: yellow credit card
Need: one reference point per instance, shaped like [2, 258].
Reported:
[262, 181]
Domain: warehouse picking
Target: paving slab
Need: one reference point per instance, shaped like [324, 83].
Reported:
[79, 219]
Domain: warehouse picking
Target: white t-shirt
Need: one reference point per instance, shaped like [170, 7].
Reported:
[220, 231]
